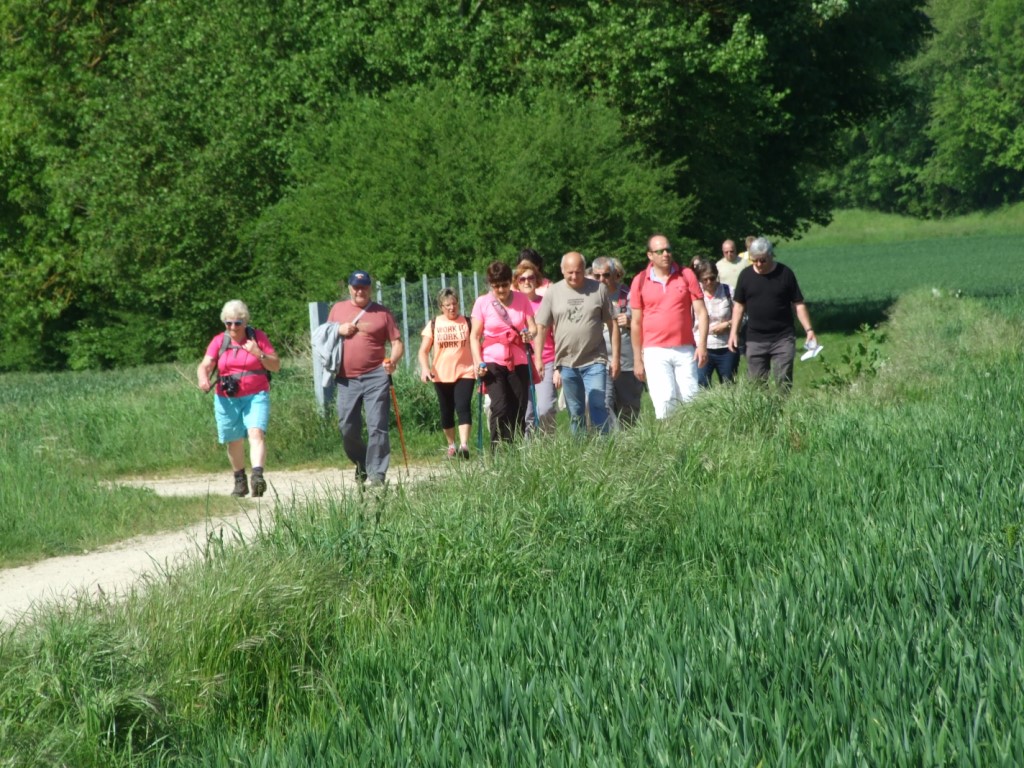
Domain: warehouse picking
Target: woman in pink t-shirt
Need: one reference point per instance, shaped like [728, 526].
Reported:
[532, 257]
[451, 371]
[502, 326]
[243, 358]
[528, 277]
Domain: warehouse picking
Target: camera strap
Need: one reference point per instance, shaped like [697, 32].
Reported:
[225, 345]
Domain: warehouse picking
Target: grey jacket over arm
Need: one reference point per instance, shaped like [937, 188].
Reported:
[327, 349]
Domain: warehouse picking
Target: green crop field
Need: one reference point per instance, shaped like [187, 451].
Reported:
[853, 275]
[831, 578]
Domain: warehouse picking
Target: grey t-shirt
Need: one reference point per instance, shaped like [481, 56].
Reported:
[578, 318]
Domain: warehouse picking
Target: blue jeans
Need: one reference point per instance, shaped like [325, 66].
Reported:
[586, 386]
[721, 360]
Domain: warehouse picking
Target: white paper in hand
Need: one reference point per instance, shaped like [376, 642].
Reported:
[813, 350]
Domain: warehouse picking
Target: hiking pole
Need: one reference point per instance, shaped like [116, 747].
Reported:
[480, 416]
[398, 420]
[533, 387]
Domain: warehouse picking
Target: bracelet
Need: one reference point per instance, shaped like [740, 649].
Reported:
[808, 330]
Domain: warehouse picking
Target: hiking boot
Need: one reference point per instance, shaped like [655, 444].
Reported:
[259, 485]
[241, 485]
[451, 452]
[464, 452]
[360, 474]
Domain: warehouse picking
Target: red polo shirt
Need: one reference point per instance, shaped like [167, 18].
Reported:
[667, 306]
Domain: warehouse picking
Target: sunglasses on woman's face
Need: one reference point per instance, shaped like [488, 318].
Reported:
[230, 323]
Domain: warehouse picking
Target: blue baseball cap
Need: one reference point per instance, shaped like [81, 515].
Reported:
[360, 278]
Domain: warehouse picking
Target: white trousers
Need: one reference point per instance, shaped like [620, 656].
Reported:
[671, 377]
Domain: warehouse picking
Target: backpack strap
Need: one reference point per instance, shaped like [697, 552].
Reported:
[225, 345]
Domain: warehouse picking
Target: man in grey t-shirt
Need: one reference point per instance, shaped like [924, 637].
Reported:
[579, 309]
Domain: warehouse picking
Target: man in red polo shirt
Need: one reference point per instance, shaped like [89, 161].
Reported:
[665, 299]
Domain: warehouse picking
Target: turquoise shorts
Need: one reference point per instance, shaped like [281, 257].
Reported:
[237, 415]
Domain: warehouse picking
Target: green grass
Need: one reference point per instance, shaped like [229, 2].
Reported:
[61, 433]
[854, 270]
[80, 427]
[833, 578]
[824, 579]
[868, 227]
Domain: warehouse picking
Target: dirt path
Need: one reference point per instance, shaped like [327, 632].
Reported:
[113, 569]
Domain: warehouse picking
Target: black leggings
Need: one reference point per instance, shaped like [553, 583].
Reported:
[509, 391]
[455, 397]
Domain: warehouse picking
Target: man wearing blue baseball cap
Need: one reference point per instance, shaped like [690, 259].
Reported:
[367, 328]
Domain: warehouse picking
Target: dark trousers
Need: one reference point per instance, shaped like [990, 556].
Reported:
[455, 397]
[509, 392]
[773, 357]
[372, 392]
[624, 395]
[721, 361]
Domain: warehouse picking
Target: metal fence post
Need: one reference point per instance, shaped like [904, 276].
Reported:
[405, 324]
[426, 301]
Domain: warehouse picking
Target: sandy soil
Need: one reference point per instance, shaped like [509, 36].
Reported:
[114, 569]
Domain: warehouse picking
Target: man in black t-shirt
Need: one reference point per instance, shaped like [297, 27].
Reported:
[769, 293]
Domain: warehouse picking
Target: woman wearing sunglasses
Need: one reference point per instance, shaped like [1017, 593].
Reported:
[528, 278]
[502, 326]
[718, 301]
[244, 358]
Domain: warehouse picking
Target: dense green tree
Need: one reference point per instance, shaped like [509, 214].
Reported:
[52, 56]
[186, 147]
[146, 138]
[956, 141]
[975, 72]
[443, 179]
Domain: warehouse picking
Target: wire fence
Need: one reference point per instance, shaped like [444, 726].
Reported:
[413, 303]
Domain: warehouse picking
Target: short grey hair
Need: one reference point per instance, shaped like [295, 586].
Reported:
[760, 248]
[610, 262]
[235, 310]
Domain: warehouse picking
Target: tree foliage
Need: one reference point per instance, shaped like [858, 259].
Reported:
[443, 179]
[156, 153]
[51, 56]
[956, 142]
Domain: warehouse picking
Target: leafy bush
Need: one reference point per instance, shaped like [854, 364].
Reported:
[432, 180]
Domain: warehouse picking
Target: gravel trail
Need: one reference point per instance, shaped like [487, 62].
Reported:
[114, 569]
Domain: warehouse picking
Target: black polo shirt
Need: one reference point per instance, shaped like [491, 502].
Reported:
[768, 300]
